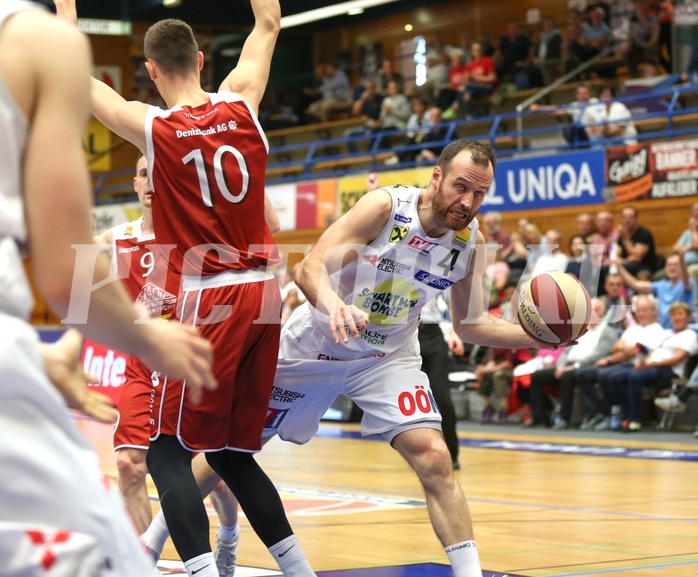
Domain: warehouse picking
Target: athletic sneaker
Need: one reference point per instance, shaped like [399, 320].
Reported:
[671, 404]
[591, 421]
[633, 427]
[560, 424]
[225, 556]
[488, 414]
[603, 425]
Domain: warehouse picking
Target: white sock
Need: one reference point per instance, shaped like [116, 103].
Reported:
[291, 559]
[203, 566]
[227, 534]
[156, 534]
[464, 559]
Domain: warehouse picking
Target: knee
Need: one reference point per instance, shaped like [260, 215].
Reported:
[131, 465]
[428, 455]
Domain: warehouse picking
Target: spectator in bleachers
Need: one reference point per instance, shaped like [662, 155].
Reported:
[417, 127]
[526, 248]
[691, 72]
[571, 46]
[551, 257]
[636, 244]
[592, 346]
[548, 54]
[485, 40]
[663, 11]
[369, 105]
[679, 286]
[617, 119]
[596, 37]
[495, 234]
[581, 112]
[617, 302]
[593, 380]
[579, 263]
[395, 110]
[495, 377]
[457, 76]
[513, 58]
[335, 90]
[687, 245]
[656, 370]
[585, 226]
[387, 74]
[437, 133]
[606, 235]
[593, 4]
[437, 77]
[642, 46]
[478, 83]
[465, 43]
[438, 45]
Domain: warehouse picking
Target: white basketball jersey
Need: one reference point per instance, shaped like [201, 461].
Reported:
[395, 276]
[15, 295]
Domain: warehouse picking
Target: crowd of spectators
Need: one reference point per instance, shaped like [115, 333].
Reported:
[463, 78]
[642, 339]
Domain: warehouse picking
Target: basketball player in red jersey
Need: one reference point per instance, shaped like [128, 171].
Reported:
[206, 162]
[134, 261]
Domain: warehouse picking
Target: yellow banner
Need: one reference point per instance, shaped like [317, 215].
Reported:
[97, 143]
[351, 188]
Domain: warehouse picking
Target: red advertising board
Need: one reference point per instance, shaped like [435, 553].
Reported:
[108, 365]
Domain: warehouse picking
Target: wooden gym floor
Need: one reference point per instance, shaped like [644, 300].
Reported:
[543, 504]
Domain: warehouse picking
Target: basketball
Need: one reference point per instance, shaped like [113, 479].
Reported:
[554, 308]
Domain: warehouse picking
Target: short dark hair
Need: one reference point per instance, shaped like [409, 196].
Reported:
[482, 154]
[171, 45]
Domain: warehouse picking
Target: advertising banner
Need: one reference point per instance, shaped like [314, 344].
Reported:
[108, 365]
[572, 179]
[304, 204]
[653, 170]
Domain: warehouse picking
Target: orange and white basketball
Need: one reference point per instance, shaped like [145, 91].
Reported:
[554, 308]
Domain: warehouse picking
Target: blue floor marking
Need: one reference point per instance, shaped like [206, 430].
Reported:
[543, 447]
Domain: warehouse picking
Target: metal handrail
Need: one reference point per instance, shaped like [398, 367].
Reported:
[548, 89]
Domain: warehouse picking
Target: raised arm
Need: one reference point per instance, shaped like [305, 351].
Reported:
[639, 286]
[249, 77]
[58, 202]
[355, 230]
[122, 117]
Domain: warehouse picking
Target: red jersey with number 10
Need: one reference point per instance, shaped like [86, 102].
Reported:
[206, 166]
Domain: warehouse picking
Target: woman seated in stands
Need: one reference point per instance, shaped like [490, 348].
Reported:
[656, 370]
[478, 84]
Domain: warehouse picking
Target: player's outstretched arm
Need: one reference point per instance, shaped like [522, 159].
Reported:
[471, 322]
[122, 117]
[249, 78]
[58, 201]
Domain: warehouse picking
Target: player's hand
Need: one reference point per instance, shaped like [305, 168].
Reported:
[179, 351]
[64, 370]
[347, 317]
[455, 345]
[372, 181]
